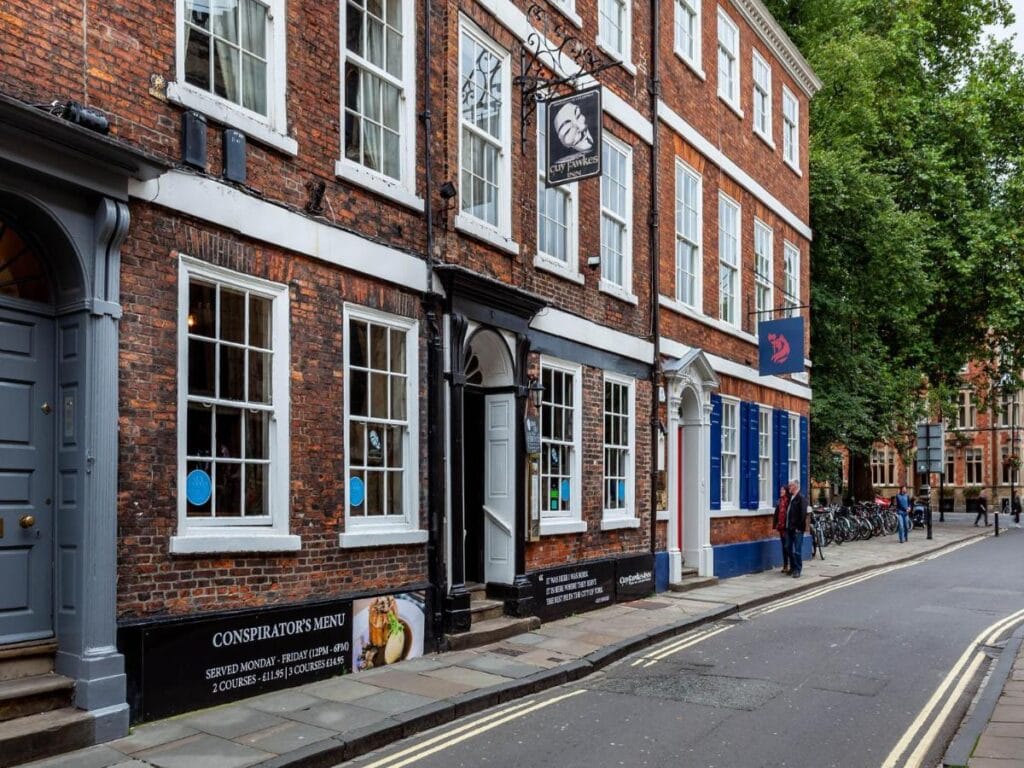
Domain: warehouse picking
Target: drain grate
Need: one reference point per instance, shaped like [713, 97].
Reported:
[695, 688]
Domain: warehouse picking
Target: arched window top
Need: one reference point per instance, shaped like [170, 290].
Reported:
[22, 272]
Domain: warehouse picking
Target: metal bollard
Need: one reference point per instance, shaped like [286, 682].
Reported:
[928, 520]
[997, 523]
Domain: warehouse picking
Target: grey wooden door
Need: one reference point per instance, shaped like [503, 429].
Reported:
[26, 476]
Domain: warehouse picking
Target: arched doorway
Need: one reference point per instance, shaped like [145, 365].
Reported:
[490, 459]
[27, 435]
[690, 380]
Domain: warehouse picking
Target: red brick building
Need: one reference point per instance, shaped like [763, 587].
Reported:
[307, 328]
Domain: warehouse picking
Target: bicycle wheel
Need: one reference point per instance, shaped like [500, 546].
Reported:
[819, 538]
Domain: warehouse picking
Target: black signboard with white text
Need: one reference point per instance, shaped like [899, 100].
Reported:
[209, 661]
[573, 133]
[634, 577]
[572, 589]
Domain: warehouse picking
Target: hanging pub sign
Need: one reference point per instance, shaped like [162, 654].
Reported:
[780, 346]
[573, 135]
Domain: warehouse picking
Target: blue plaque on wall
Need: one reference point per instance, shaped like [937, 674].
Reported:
[198, 487]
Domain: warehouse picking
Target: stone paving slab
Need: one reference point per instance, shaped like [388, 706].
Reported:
[332, 720]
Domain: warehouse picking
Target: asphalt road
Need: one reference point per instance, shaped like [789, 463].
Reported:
[834, 679]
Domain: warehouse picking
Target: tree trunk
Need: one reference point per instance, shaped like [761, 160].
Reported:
[860, 477]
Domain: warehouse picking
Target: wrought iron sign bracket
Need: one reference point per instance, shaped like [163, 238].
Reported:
[538, 53]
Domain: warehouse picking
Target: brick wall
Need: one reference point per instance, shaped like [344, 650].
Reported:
[152, 581]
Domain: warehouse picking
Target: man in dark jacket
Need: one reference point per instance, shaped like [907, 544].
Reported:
[796, 522]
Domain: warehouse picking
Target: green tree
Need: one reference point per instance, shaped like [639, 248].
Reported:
[917, 198]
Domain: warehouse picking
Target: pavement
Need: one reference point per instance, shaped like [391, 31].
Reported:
[325, 723]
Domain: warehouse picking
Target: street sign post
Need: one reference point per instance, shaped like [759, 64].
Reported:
[931, 457]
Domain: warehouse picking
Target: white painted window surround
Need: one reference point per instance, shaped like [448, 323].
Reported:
[381, 428]
[266, 526]
[689, 236]
[617, 219]
[378, 89]
[730, 261]
[762, 98]
[485, 131]
[619, 431]
[561, 447]
[688, 34]
[615, 31]
[271, 128]
[729, 62]
[557, 218]
[794, 448]
[763, 272]
[791, 130]
[730, 453]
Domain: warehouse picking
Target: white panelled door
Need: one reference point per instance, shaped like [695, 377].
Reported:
[499, 488]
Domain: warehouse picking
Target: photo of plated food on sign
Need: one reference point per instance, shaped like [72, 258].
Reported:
[387, 629]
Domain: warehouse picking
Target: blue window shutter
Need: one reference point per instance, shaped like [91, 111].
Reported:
[782, 455]
[804, 457]
[754, 441]
[744, 454]
[716, 452]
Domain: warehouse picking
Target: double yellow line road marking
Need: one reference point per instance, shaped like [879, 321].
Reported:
[950, 691]
[442, 741]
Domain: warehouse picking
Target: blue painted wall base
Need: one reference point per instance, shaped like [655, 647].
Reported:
[752, 556]
[660, 571]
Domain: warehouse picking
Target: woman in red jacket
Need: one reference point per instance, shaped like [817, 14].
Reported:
[779, 524]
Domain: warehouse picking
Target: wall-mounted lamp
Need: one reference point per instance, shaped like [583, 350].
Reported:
[448, 190]
[536, 390]
[593, 261]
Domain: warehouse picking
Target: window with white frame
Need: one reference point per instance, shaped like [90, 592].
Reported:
[381, 417]
[559, 433]
[1010, 469]
[688, 31]
[1009, 410]
[730, 453]
[556, 208]
[762, 97]
[728, 260]
[614, 27]
[618, 447]
[728, 59]
[377, 77]
[617, 214]
[227, 52]
[973, 464]
[794, 449]
[688, 235]
[231, 65]
[484, 130]
[790, 279]
[883, 466]
[790, 128]
[967, 411]
[763, 245]
[232, 406]
[766, 493]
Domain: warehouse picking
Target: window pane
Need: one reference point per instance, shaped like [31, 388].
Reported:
[201, 368]
[374, 493]
[201, 299]
[232, 316]
[229, 490]
[378, 347]
[357, 444]
[357, 396]
[203, 510]
[379, 395]
[254, 28]
[225, 70]
[257, 435]
[256, 490]
[397, 351]
[229, 433]
[259, 322]
[197, 58]
[199, 430]
[259, 377]
[395, 493]
[232, 373]
[398, 396]
[254, 84]
[357, 344]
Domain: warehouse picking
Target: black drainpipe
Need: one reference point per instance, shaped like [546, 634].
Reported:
[434, 311]
[655, 90]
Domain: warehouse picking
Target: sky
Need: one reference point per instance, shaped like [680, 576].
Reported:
[1017, 28]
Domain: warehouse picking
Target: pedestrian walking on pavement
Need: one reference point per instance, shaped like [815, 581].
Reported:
[779, 524]
[982, 510]
[1016, 511]
[796, 521]
[902, 513]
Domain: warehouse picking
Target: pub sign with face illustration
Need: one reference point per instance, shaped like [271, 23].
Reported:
[573, 135]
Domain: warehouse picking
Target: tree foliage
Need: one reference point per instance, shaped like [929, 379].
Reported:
[917, 205]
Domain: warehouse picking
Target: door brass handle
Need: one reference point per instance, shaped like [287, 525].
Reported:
[47, 409]
[27, 521]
